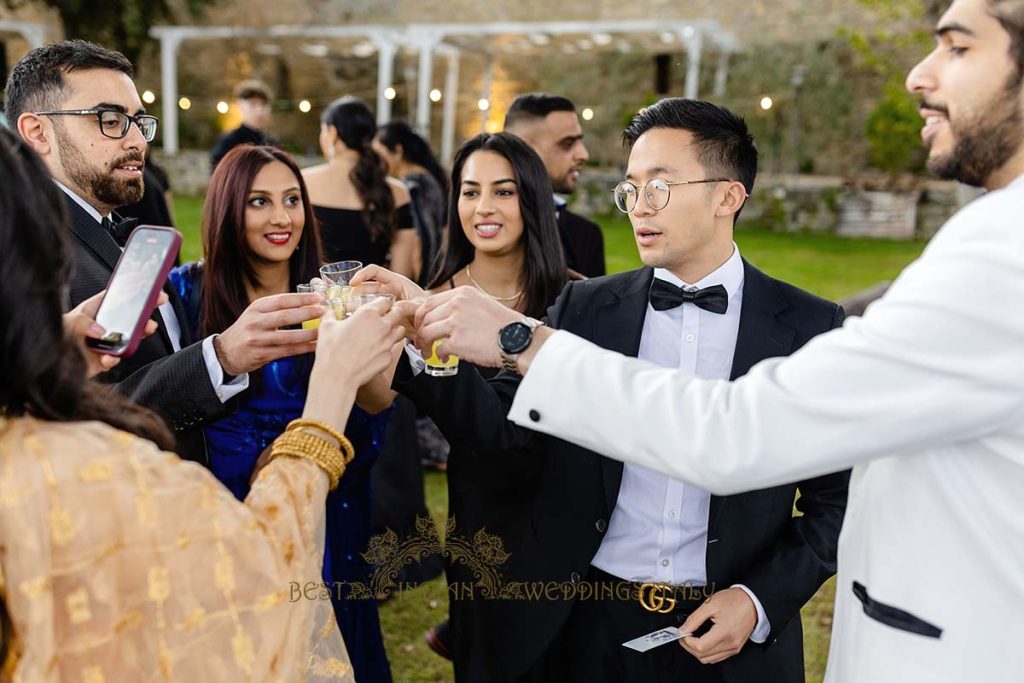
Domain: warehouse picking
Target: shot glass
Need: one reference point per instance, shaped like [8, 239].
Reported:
[340, 273]
[313, 289]
[435, 367]
[355, 300]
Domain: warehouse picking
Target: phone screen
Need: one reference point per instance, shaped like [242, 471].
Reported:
[129, 289]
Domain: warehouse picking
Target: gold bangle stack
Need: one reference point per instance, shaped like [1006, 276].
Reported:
[343, 443]
[299, 441]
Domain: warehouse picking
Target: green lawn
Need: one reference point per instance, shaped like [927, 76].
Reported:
[828, 266]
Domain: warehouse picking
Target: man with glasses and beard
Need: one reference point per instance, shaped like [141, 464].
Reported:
[75, 104]
[923, 396]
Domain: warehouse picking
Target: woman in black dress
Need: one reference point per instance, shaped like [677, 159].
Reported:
[363, 215]
[409, 157]
[502, 240]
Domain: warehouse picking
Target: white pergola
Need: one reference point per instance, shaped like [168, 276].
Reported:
[450, 41]
[33, 33]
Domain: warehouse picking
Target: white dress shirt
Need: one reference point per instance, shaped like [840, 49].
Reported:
[658, 530]
[923, 396]
[224, 391]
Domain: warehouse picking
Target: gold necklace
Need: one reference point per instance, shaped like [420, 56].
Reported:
[476, 284]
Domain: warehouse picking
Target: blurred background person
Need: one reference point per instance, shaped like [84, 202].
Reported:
[102, 530]
[550, 126]
[409, 158]
[363, 215]
[253, 100]
[258, 241]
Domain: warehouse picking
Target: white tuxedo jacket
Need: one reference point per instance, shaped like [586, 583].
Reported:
[923, 396]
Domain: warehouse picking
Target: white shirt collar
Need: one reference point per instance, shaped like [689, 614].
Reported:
[729, 275]
[89, 209]
[560, 202]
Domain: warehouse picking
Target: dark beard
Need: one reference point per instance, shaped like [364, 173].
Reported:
[562, 186]
[100, 186]
[985, 143]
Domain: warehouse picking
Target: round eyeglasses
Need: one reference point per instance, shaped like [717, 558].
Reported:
[657, 192]
[113, 124]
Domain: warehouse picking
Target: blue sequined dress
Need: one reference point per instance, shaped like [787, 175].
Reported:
[275, 396]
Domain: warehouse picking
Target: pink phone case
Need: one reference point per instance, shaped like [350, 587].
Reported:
[155, 288]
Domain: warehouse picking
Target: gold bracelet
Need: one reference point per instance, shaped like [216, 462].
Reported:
[332, 469]
[303, 444]
[343, 442]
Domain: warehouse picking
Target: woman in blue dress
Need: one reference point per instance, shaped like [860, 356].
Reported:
[258, 241]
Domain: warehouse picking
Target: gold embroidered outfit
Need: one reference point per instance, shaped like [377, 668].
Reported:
[119, 562]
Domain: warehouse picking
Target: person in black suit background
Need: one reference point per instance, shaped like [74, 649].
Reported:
[75, 104]
[697, 306]
[252, 97]
[549, 124]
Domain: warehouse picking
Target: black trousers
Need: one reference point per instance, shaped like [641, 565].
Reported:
[589, 648]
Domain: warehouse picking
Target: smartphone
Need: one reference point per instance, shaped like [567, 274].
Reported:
[133, 289]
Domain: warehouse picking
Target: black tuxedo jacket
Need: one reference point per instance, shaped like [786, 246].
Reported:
[582, 243]
[753, 538]
[175, 385]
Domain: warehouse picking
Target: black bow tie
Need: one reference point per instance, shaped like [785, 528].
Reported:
[665, 295]
[121, 229]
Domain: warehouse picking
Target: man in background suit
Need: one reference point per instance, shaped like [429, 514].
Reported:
[699, 307]
[548, 123]
[76, 105]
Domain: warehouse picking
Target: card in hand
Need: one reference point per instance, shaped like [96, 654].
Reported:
[653, 640]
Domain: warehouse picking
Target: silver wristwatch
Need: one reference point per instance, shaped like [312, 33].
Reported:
[515, 338]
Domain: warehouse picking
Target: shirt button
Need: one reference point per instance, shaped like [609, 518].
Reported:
[689, 337]
[672, 514]
[664, 563]
[535, 416]
[601, 525]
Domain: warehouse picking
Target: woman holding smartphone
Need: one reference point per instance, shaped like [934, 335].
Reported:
[121, 561]
[259, 241]
[503, 241]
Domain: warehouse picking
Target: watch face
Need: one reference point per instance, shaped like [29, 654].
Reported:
[514, 338]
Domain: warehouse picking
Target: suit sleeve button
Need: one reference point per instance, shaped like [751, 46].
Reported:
[574, 577]
[601, 525]
[535, 416]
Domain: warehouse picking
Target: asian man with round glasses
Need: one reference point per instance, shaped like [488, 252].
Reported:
[699, 307]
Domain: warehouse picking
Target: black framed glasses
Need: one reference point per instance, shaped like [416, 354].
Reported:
[656, 191]
[113, 124]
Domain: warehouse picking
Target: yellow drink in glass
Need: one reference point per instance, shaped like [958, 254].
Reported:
[438, 368]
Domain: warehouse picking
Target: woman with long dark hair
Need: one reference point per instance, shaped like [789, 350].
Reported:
[502, 240]
[363, 215]
[259, 239]
[120, 559]
[508, 244]
[409, 157]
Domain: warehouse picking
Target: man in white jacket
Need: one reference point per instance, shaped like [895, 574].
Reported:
[923, 396]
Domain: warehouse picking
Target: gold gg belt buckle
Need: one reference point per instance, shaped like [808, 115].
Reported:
[657, 597]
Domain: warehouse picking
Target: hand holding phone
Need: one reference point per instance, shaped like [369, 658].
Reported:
[134, 289]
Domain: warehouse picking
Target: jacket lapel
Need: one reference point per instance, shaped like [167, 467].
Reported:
[619, 316]
[97, 240]
[760, 336]
[92, 235]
